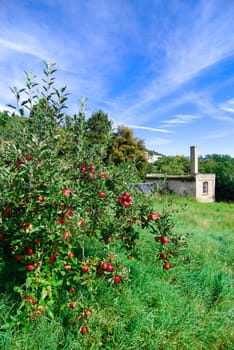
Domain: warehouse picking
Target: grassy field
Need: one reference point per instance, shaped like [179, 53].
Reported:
[189, 307]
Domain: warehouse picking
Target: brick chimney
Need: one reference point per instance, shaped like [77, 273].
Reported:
[193, 160]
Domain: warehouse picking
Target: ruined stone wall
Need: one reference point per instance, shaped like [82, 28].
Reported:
[199, 186]
[182, 185]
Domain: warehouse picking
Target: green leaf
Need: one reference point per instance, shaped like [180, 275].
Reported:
[43, 293]
[28, 282]
[11, 106]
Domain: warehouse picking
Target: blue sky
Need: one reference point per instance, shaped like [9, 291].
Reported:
[165, 68]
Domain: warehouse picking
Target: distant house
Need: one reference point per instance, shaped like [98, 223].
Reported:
[152, 158]
[199, 186]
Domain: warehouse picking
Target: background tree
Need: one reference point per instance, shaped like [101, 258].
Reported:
[177, 165]
[127, 149]
[99, 133]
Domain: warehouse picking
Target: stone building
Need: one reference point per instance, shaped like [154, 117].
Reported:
[200, 186]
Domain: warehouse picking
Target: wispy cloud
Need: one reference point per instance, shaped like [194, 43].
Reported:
[227, 106]
[29, 46]
[180, 119]
[218, 134]
[150, 66]
[225, 118]
[153, 143]
[149, 128]
[187, 56]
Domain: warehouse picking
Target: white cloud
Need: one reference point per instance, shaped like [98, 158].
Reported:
[28, 47]
[181, 119]
[187, 56]
[225, 118]
[126, 57]
[149, 128]
[227, 106]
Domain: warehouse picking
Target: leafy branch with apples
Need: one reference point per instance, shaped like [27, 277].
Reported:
[69, 221]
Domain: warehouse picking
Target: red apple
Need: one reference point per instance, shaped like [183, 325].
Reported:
[88, 313]
[65, 235]
[104, 265]
[30, 250]
[84, 330]
[66, 192]
[85, 268]
[41, 198]
[126, 204]
[91, 167]
[72, 304]
[83, 169]
[162, 256]
[164, 240]
[154, 216]
[117, 279]
[31, 300]
[52, 259]
[167, 266]
[101, 195]
[110, 267]
[129, 199]
[30, 267]
[30, 157]
[67, 267]
[125, 197]
[26, 224]
[61, 221]
[81, 222]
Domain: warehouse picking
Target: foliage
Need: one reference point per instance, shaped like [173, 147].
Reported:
[126, 148]
[10, 126]
[99, 134]
[68, 222]
[223, 167]
[189, 307]
[177, 165]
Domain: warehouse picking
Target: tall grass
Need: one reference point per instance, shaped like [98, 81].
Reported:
[190, 307]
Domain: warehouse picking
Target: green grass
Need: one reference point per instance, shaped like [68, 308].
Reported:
[190, 307]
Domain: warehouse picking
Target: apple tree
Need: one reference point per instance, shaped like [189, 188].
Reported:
[65, 215]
